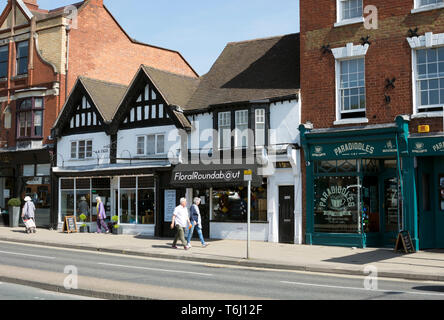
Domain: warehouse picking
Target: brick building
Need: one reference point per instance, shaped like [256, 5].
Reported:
[370, 172]
[42, 53]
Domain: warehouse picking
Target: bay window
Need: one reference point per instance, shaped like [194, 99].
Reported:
[30, 118]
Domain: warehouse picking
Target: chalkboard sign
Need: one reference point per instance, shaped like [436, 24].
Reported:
[70, 224]
[404, 243]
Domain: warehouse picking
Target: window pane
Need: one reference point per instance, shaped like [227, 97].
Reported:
[160, 144]
[161, 111]
[38, 132]
[82, 149]
[140, 145]
[89, 150]
[151, 145]
[153, 112]
[73, 150]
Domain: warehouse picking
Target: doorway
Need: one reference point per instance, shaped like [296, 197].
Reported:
[286, 215]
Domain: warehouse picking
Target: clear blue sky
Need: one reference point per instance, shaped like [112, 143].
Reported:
[198, 29]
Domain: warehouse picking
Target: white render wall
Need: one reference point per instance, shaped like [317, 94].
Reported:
[201, 137]
[101, 149]
[285, 119]
[127, 140]
[238, 231]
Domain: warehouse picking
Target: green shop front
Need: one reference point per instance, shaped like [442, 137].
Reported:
[428, 150]
[358, 185]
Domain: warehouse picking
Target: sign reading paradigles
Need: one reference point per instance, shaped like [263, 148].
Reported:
[353, 150]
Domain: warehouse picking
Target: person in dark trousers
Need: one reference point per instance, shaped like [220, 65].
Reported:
[101, 216]
[196, 222]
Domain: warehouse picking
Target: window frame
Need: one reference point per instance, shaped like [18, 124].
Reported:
[339, 14]
[33, 110]
[416, 85]
[19, 58]
[339, 90]
[5, 62]
[77, 150]
[222, 146]
[145, 144]
[237, 131]
[264, 123]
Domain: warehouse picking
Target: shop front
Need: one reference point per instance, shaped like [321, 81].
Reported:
[357, 185]
[429, 152]
[130, 194]
[224, 199]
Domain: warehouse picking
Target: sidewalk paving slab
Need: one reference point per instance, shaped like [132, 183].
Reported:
[423, 265]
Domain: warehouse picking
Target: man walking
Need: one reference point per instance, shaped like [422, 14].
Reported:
[196, 222]
[180, 221]
[101, 216]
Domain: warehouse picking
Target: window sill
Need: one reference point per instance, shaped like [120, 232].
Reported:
[349, 22]
[350, 121]
[19, 77]
[428, 8]
[437, 114]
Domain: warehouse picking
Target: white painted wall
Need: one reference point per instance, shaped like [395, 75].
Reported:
[101, 142]
[285, 119]
[127, 140]
[238, 231]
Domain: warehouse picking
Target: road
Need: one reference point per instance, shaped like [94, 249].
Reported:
[172, 279]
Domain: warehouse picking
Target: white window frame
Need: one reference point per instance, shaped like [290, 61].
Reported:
[145, 148]
[237, 132]
[77, 142]
[417, 7]
[428, 41]
[224, 121]
[339, 19]
[349, 52]
[260, 114]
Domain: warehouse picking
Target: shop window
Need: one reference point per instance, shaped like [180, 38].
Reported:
[370, 165]
[43, 169]
[347, 166]
[231, 205]
[145, 206]
[441, 192]
[336, 205]
[393, 214]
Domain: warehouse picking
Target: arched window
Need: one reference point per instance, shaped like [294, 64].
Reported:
[7, 118]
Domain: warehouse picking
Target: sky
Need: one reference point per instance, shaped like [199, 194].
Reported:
[198, 29]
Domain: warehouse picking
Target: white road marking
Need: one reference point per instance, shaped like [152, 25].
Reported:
[360, 289]
[156, 269]
[27, 255]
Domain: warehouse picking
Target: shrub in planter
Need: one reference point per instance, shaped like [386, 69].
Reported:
[14, 212]
[116, 227]
[84, 228]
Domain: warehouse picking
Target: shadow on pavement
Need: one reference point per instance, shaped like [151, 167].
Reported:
[366, 257]
[430, 288]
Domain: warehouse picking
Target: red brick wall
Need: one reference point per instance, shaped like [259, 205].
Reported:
[389, 56]
[100, 49]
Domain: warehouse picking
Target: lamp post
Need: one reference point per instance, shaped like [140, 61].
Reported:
[248, 176]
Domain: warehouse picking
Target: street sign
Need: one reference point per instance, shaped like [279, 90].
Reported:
[248, 175]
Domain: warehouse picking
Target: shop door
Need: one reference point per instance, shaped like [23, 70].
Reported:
[426, 212]
[204, 209]
[286, 214]
[391, 218]
[439, 205]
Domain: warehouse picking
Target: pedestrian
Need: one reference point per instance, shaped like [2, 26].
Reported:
[28, 212]
[101, 216]
[181, 221]
[196, 222]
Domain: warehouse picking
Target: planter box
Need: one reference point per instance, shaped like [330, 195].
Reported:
[118, 231]
[14, 217]
[84, 229]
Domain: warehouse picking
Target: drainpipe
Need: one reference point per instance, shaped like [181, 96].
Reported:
[68, 28]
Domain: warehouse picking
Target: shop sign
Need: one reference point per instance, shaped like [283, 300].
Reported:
[6, 193]
[170, 205]
[353, 149]
[337, 201]
[34, 181]
[208, 176]
[427, 146]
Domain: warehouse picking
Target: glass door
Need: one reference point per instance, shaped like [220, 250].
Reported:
[392, 218]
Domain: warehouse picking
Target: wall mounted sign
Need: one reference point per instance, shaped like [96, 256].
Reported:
[427, 146]
[355, 149]
[170, 205]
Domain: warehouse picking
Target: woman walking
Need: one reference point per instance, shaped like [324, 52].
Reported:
[28, 212]
[101, 216]
[196, 223]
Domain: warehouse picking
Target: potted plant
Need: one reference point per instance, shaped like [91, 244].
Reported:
[14, 212]
[116, 227]
[84, 228]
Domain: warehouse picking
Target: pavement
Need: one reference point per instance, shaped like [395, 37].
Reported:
[421, 266]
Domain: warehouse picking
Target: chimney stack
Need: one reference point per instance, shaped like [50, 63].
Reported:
[31, 4]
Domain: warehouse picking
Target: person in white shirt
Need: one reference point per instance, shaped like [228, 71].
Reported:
[181, 221]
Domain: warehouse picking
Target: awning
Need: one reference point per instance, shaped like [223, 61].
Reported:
[213, 176]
